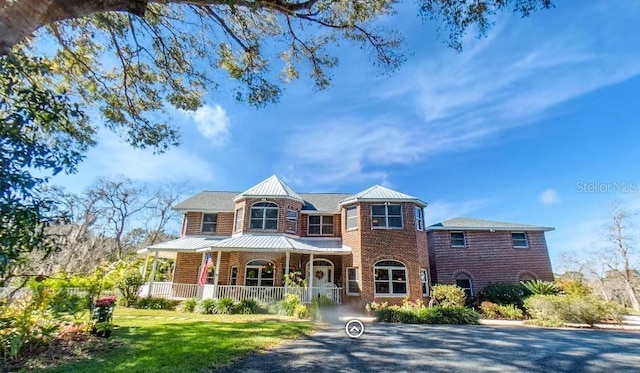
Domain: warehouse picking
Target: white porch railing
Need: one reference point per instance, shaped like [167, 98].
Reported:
[264, 294]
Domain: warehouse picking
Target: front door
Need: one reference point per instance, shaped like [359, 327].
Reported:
[321, 275]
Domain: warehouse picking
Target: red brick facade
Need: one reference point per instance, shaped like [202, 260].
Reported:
[488, 257]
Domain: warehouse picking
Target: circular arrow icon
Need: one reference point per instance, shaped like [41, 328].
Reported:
[354, 328]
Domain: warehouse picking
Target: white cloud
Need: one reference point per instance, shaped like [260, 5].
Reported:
[450, 102]
[439, 210]
[212, 122]
[549, 197]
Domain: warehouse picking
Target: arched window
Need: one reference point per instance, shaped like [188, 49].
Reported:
[259, 273]
[264, 215]
[464, 281]
[390, 278]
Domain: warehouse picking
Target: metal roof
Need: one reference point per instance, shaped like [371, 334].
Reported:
[280, 243]
[271, 187]
[382, 194]
[185, 244]
[481, 224]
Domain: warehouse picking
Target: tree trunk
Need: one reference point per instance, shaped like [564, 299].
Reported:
[21, 18]
[633, 296]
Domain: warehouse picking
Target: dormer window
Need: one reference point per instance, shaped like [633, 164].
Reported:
[264, 216]
[209, 222]
[386, 216]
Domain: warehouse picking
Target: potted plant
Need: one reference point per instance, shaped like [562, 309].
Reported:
[102, 329]
[101, 315]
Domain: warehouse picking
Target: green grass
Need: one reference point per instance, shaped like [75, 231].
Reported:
[168, 341]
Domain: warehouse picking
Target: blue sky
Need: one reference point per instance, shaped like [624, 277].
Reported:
[520, 126]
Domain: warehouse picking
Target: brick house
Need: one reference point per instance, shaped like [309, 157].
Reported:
[352, 248]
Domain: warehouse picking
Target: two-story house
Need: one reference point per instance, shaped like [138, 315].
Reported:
[353, 248]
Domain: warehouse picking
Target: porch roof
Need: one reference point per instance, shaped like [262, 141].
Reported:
[280, 243]
[185, 244]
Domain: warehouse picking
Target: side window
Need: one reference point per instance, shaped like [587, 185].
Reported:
[239, 219]
[353, 281]
[351, 222]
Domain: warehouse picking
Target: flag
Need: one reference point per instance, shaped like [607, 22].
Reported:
[202, 279]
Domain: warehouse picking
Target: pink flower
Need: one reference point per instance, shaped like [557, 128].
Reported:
[106, 301]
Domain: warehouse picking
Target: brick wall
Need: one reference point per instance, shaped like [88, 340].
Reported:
[187, 268]
[489, 257]
[337, 229]
[192, 224]
[283, 204]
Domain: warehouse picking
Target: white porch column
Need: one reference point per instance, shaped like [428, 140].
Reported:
[216, 275]
[153, 273]
[286, 268]
[311, 277]
[144, 269]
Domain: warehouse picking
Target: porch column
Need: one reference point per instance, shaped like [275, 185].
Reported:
[310, 277]
[216, 275]
[153, 273]
[144, 269]
[287, 256]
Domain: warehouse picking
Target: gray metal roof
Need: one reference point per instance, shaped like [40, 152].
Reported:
[190, 244]
[279, 243]
[481, 224]
[380, 193]
[271, 187]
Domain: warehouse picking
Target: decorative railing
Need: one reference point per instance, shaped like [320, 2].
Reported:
[264, 294]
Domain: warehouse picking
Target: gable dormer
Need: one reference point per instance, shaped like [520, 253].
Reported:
[270, 206]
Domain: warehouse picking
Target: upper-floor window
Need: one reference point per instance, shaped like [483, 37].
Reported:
[209, 222]
[320, 225]
[351, 222]
[264, 215]
[458, 239]
[386, 216]
[520, 240]
[292, 221]
[239, 219]
[419, 219]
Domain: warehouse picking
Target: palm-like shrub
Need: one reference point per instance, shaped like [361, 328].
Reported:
[539, 287]
[448, 295]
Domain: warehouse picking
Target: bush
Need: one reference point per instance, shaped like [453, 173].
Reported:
[505, 293]
[499, 311]
[153, 303]
[556, 310]
[208, 306]
[129, 285]
[189, 305]
[248, 307]
[225, 306]
[418, 314]
[301, 311]
[287, 305]
[448, 295]
[539, 287]
[573, 287]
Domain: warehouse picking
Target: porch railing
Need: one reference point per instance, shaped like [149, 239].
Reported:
[265, 294]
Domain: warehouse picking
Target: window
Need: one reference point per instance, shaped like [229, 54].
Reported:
[239, 219]
[292, 221]
[353, 281]
[264, 215]
[390, 278]
[519, 240]
[259, 273]
[209, 223]
[465, 284]
[320, 225]
[386, 216]
[458, 239]
[352, 217]
[233, 276]
[424, 279]
[419, 218]
[211, 275]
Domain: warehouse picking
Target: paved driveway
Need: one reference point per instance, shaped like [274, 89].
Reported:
[398, 347]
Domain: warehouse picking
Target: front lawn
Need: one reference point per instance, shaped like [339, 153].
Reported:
[166, 341]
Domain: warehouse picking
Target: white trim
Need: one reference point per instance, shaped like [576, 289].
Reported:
[419, 227]
[315, 263]
[231, 275]
[390, 281]
[259, 267]
[346, 218]
[425, 281]
[296, 221]
[215, 224]
[264, 218]
[356, 280]
[238, 227]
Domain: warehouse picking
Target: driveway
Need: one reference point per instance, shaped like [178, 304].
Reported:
[452, 348]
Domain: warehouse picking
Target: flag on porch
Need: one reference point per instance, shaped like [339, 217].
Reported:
[202, 279]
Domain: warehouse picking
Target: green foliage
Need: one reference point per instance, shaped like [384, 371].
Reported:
[128, 280]
[539, 287]
[573, 287]
[42, 133]
[301, 311]
[448, 295]
[499, 311]
[153, 303]
[248, 307]
[504, 294]
[208, 306]
[26, 325]
[419, 314]
[287, 305]
[190, 305]
[225, 306]
[556, 310]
